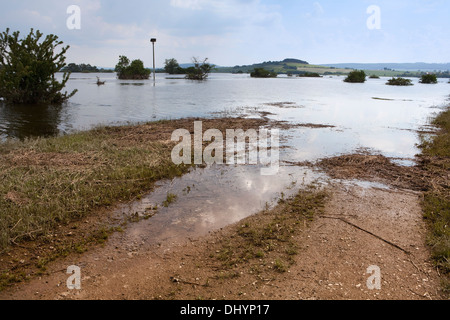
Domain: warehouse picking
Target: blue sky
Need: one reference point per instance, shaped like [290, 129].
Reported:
[232, 32]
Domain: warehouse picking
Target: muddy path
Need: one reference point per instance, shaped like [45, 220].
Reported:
[369, 229]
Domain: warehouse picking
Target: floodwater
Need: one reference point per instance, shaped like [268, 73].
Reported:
[383, 119]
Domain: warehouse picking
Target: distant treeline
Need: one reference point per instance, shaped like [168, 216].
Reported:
[412, 67]
[418, 74]
[84, 68]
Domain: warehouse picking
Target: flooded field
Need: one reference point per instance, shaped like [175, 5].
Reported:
[318, 118]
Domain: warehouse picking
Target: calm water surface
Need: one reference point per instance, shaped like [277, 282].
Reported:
[360, 120]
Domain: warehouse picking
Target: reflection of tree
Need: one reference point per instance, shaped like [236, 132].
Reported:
[23, 121]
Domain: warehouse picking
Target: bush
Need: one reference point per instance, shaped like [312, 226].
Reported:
[356, 77]
[374, 76]
[263, 73]
[399, 82]
[28, 67]
[429, 79]
[131, 71]
[200, 71]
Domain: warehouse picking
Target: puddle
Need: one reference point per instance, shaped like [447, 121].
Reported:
[211, 198]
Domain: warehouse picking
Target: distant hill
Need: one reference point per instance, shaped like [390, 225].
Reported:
[418, 66]
[286, 66]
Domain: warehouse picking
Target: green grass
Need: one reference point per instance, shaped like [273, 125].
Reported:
[171, 198]
[436, 201]
[439, 145]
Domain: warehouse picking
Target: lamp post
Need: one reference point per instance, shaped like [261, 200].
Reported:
[153, 41]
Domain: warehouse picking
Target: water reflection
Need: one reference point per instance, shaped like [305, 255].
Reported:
[212, 198]
[23, 121]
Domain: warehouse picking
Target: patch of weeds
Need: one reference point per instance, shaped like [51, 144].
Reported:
[171, 198]
[8, 278]
[279, 266]
[259, 254]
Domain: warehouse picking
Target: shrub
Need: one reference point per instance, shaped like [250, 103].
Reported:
[399, 82]
[356, 77]
[28, 67]
[429, 79]
[200, 71]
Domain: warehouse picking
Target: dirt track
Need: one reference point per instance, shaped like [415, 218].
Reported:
[363, 226]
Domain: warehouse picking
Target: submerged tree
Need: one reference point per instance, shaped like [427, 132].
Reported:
[28, 68]
[200, 70]
[399, 82]
[429, 79]
[356, 77]
[131, 71]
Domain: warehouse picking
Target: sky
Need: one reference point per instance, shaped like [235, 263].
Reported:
[240, 32]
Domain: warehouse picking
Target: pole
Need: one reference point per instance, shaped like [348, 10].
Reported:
[154, 70]
[153, 40]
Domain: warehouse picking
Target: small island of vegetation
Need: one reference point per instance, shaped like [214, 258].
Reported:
[357, 76]
[131, 71]
[429, 79]
[198, 71]
[263, 73]
[399, 82]
[309, 75]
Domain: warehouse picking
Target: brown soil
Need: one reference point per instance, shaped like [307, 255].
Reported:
[359, 227]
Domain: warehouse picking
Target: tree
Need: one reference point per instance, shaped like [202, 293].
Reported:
[172, 67]
[200, 70]
[28, 68]
[131, 71]
[357, 76]
[429, 79]
[263, 73]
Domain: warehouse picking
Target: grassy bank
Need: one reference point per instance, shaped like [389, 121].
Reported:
[47, 182]
[57, 193]
[436, 201]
